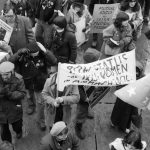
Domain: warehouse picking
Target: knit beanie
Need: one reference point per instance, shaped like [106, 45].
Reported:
[91, 55]
[122, 16]
[60, 21]
[57, 128]
[33, 47]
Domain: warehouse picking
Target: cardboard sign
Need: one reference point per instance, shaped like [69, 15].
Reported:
[103, 16]
[116, 70]
[5, 31]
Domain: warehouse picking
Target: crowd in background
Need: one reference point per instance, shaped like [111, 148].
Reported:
[44, 35]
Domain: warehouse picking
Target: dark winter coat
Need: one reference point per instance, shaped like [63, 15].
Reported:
[33, 69]
[22, 34]
[49, 143]
[64, 46]
[11, 95]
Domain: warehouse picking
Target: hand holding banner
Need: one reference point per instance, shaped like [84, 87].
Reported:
[116, 70]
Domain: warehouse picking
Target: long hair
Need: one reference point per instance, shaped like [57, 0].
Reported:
[125, 5]
[133, 137]
[118, 21]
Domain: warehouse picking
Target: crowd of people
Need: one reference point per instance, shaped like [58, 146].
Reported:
[30, 72]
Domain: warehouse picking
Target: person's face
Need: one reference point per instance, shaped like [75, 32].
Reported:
[9, 16]
[6, 76]
[132, 3]
[62, 136]
[125, 23]
[131, 147]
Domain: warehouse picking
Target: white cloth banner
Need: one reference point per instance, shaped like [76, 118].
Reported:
[116, 70]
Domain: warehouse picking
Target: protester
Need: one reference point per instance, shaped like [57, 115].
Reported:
[133, 9]
[22, 30]
[5, 145]
[62, 41]
[91, 9]
[131, 141]
[124, 114]
[60, 138]
[33, 65]
[117, 36]
[45, 13]
[12, 93]
[58, 104]
[77, 12]
[83, 109]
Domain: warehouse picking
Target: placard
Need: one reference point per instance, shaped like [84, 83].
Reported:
[103, 16]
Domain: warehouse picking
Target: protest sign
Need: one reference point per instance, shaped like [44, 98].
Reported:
[5, 31]
[137, 93]
[116, 70]
[80, 35]
[3, 56]
[103, 16]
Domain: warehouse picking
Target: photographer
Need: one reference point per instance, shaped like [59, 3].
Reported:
[33, 64]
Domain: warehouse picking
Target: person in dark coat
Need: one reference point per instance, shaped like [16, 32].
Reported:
[62, 41]
[46, 11]
[60, 138]
[124, 114]
[12, 91]
[33, 65]
[83, 109]
[22, 31]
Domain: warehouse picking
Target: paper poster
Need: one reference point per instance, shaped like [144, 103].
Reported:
[116, 70]
[103, 16]
[80, 36]
[5, 31]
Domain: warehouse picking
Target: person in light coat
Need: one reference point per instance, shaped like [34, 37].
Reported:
[58, 104]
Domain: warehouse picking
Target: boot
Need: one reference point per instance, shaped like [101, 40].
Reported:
[79, 131]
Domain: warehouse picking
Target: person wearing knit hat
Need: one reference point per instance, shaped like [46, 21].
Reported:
[63, 41]
[34, 62]
[60, 23]
[83, 109]
[12, 92]
[59, 137]
[91, 55]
